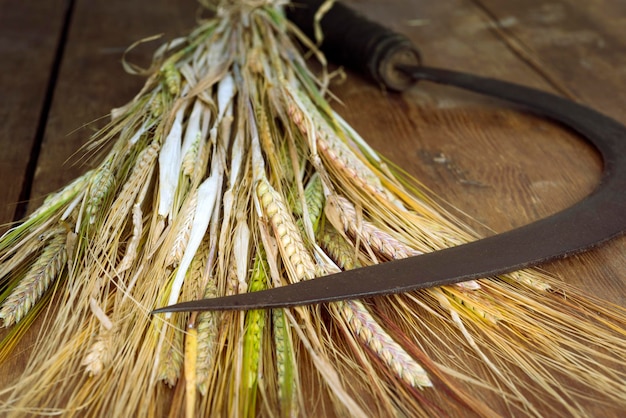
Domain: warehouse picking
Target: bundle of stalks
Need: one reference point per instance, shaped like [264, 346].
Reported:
[230, 173]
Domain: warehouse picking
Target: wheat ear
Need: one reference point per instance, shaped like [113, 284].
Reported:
[299, 263]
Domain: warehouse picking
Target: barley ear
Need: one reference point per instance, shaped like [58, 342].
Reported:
[383, 345]
[99, 189]
[207, 326]
[285, 364]
[361, 322]
[44, 271]
[252, 343]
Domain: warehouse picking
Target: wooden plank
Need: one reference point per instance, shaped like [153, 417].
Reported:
[92, 80]
[503, 169]
[583, 46]
[30, 33]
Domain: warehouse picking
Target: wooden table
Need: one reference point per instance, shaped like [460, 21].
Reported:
[60, 72]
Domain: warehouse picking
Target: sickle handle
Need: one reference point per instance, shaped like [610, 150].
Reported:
[364, 46]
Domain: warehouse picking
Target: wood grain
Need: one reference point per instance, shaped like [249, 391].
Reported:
[501, 167]
[30, 33]
[92, 80]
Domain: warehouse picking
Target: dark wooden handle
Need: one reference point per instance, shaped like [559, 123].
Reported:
[356, 42]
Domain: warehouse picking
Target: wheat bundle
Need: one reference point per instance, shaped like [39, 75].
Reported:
[228, 173]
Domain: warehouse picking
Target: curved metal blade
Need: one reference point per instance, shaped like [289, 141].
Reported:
[597, 218]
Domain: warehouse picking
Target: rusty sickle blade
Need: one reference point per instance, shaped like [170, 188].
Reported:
[390, 58]
[597, 218]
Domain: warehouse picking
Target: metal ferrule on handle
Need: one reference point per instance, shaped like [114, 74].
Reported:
[364, 46]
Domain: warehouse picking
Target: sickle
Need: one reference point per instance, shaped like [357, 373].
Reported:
[391, 59]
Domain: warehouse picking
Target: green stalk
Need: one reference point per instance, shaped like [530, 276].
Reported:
[285, 364]
[252, 340]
